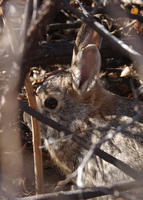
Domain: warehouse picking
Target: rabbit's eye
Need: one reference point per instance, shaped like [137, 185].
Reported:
[51, 103]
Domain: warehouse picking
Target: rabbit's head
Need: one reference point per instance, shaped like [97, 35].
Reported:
[68, 97]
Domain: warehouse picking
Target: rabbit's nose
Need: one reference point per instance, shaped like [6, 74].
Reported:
[51, 103]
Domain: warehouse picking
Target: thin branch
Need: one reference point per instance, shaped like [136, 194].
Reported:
[35, 10]
[115, 42]
[119, 129]
[43, 118]
[60, 26]
[89, 192]
[72, 195]
[64, 182]
[110, 159]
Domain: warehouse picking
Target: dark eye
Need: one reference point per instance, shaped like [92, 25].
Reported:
[51, 103]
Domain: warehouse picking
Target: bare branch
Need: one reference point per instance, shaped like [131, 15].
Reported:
[43, 118]
[116, 43]
[72, 195]
[90, 192]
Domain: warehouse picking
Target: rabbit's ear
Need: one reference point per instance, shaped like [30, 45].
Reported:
[85, 74]
[85, 36]
[87, 61]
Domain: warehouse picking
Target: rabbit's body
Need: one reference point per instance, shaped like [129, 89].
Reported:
[88, 118]
[91, 112]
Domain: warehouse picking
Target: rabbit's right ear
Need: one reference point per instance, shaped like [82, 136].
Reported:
[86, 62]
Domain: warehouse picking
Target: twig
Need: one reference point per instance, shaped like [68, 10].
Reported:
[110, 159]
[60, 26]
[64, 182]
[35, 10]
[137, 17]
[38, 165]
[55, 72]
[119, 129]
[72, 195]
[86, 193]
[115, 42]
[43, 118]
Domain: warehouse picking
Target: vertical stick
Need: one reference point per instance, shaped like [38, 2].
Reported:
[38, 168]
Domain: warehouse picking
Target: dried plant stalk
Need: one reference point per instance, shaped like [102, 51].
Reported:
[38, 166]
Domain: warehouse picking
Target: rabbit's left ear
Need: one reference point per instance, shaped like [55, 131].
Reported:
[85, 74]
[86, 59]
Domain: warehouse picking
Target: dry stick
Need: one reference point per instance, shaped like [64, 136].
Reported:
[72, 195]
[115, 42]
[35, 10]
[84, 143]
[60, 26]
[44, 119]
[110, 159]
[38, 165]
[89, 192]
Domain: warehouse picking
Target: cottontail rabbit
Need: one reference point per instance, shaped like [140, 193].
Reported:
[77, 100]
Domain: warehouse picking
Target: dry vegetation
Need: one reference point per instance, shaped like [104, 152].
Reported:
[37, 38]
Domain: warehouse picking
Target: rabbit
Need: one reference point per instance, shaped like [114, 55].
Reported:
[77, 100]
